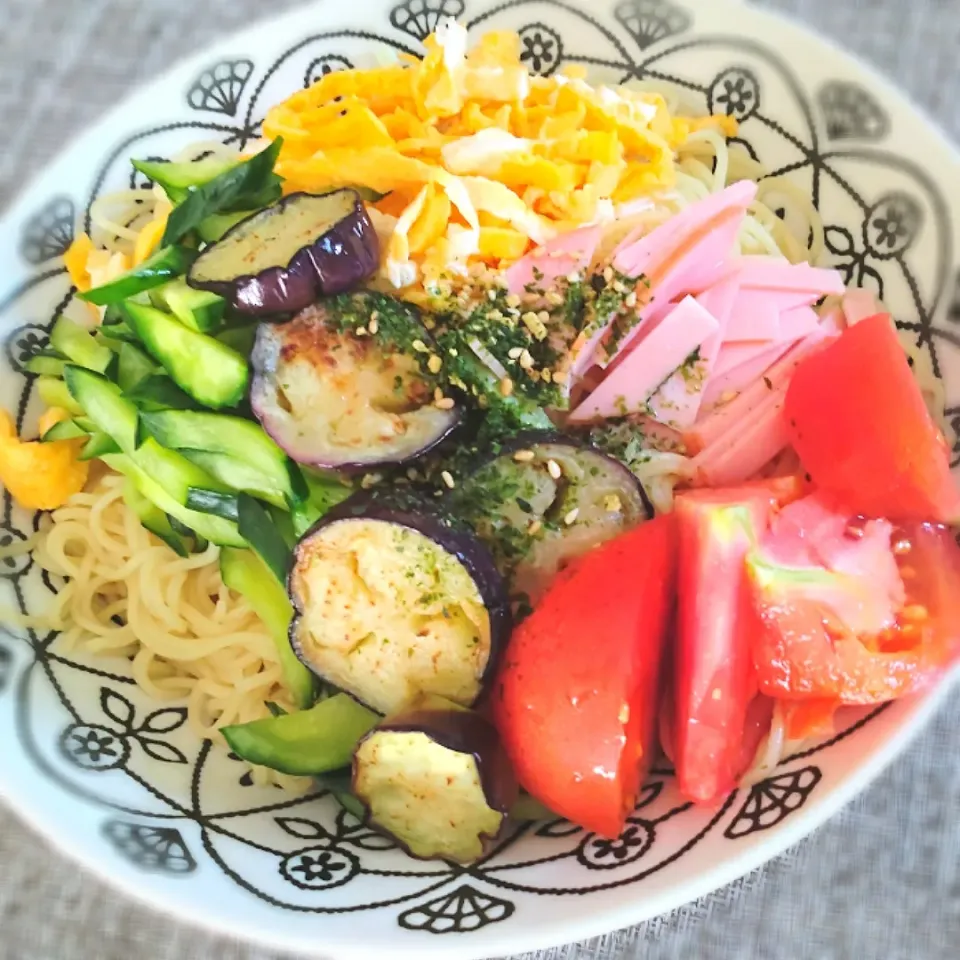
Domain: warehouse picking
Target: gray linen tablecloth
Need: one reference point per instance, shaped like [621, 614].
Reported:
[879, 882]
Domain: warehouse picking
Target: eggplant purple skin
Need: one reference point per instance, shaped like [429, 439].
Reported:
[474, 556]
[529, 438]
[460, 731]
[343, 257]
[263, 362]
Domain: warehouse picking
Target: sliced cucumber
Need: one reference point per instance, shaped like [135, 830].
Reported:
[210, 372]
[54, 393]
[324, 493]
[177, 179]
[133, 367]
[104, 404]
[240, 339]
[196, 309]
[154, 519]
[159, 392]
[311, 742]
[98, 446]
[45, 364]
[167, 263]
[244, 571]
[79, 346]
[66, 430]
[218, 531]
[236, 451]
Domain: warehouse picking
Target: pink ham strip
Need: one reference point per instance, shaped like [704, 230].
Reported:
[742, 454]
[729, 417]
[858, 305]
[798, 323]
[738, 366]
[675, 402]
[559, 257]
[627, 389]
[769, 273]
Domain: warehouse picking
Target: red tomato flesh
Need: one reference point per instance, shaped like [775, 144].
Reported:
[858, 421]
[853, 610]
[713, 671]
[576, 698]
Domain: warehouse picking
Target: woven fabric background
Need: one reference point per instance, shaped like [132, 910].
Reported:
[879, 882]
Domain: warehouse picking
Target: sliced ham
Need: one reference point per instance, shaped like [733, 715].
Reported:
[675, 403]
[558, 257]
[733, 415]
[627, 389]
[798, 323]
[771, 273]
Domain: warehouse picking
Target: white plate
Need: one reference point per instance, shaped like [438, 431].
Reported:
[118, 784]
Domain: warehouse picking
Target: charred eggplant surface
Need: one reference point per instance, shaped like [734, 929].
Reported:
[336, 399]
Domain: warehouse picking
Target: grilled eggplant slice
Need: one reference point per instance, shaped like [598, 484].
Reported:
[279, 260]
[437, 779]
[334, 398]
[390, 603]
[547, 499]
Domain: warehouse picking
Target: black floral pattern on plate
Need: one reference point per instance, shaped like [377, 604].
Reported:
[462, 911]
[541, 48]
[419, 18]
[597, 853]
[892, 225]
[6, 665]
[49, 233]
[851, 112]
[319, 868]
[735, 92]
[328, 63]
[13, 564]
[649, 21]
[155, 849]
[219, 89]
[23, 344]
[772, 800]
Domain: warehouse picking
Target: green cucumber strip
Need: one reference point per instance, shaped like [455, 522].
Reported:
[133, 367]
[98, 446]
[168, 262]
[236, 451]
[244, 572]
[54, 393]
[158, 392]
[257, 528]
[223, 505]
[240, 339]
[103, 403]
[45, 366]
[154, 519]
[207, 370]
[176, 179]
[65, 430]
[197, 309]
[283, 521]
[142, 469]
[323, 494]
[351, 804]
[214, 227]
[248, 184]
[79, 346]
[528, 808]
[311, 742]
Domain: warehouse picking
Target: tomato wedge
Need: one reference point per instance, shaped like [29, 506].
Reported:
[713, 671]
[576, 698]
[858, 421]
[853, 611]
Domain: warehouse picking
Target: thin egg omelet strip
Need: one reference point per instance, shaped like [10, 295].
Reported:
[478, 159]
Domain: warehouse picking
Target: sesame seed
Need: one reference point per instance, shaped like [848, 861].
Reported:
[554, 299]
[534, 528]
[419, 346]
[631, 299]
[514, 353]
[429, 322]
[513, 301]
[444, 403]
[608, 274]
[619, 287]
[412, 473]
[526, 360]
[560, 376]
[543, 316]
[506, 387]
[453, 352]
[612, 503]
[727, 396]
[535, 324]
[553, 468]
[494, 315]
[547, 376]
[374, 325]
[370, 480]
[375, 316]
[573, 277]
[437, 394]
[361, 331]
[492, 294]
[483, 402]
[524, 456]
[447, 478]
[434, 364]
[571, 518]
